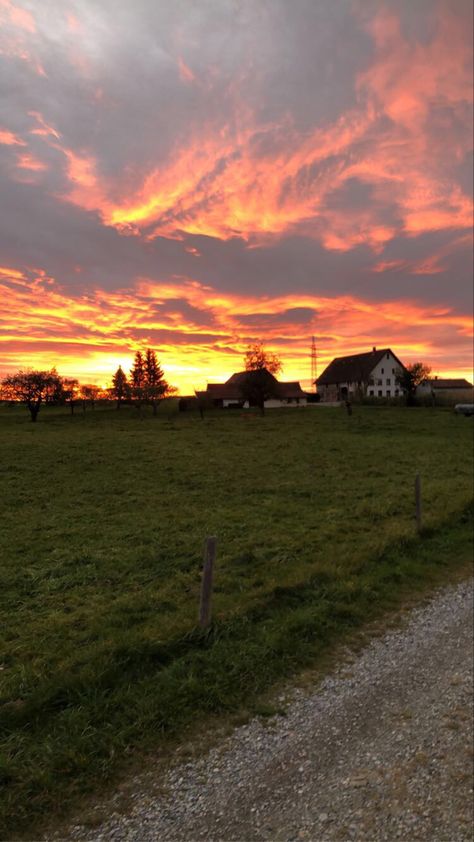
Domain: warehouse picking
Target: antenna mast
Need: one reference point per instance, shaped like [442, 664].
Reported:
[314, 363]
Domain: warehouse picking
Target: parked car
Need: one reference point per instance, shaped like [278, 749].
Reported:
[464, 408]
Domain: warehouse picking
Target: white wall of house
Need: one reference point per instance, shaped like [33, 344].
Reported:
[272, 403]
[384, 376]
[424, 389]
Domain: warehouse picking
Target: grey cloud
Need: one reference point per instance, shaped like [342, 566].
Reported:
[129, 107]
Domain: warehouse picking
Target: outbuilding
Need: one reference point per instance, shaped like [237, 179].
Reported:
[230, 394]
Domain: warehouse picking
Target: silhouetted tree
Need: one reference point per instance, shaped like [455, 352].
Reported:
[410, 377]
[259, 384]
[120, 387]
[70, 389]
[256, 358]
[32, 388]
[137, 379]
[89, 392]
[156, 386]
[147, 380]
[54, 393]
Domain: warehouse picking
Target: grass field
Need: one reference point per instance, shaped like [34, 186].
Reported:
[101, 533]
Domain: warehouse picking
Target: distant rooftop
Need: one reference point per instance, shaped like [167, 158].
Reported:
[231, 389]
[449, 383]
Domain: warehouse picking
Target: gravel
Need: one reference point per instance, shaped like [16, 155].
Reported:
[380, 750]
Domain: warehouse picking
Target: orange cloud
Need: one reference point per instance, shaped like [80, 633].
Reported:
[28, 162]
[434, 264]
[202, 333]
[42, 128]
[255, 181]
[239, 177]
[7, 138]
[17, 27]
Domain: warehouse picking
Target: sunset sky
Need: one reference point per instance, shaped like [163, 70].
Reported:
[198, 175]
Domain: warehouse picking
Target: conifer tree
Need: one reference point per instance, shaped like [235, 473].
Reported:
[156, 386]
[137, 379]
[120, 386]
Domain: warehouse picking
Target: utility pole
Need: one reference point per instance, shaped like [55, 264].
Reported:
[314, 363]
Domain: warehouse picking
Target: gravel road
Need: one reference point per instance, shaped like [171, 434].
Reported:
[380, 750]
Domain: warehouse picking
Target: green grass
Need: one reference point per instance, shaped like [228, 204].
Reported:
[101, 534]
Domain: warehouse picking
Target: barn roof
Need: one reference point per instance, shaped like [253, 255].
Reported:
[238, 378]
[355, 368]
[449, 383]
[231, 389]
[291, 389]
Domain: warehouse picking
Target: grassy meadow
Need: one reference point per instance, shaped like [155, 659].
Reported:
[101, 535]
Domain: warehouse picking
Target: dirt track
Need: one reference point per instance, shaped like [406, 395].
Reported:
[381, 750]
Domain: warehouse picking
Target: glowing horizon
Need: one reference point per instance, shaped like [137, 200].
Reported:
[97, 333]
[313, 179]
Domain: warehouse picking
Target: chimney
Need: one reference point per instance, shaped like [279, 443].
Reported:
[374, 349]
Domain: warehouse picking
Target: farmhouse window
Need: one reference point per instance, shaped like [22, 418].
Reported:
[371, 393]
[388, 381]
[382, 370]
[388, 393]
[380, 393]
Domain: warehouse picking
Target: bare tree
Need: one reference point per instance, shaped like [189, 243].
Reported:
[260, 383]
[89, 392]
[410, 377]
[70, 389]
[32, 388]
[257, 358]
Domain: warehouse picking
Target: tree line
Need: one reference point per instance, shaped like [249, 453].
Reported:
[145, 384]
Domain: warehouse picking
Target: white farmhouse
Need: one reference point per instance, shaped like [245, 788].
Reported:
[373, 374]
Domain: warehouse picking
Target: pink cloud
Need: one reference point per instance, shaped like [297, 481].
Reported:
[7, 138]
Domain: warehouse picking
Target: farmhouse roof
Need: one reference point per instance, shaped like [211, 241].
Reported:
[231, 389]
[449, 383]
[291, 389]
[354, 369]
[221, 391]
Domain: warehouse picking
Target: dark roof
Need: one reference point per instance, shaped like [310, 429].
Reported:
[238, 378]
[291, 390]
[449, 383]
[354, 369]
[231, 389]
[222, 391]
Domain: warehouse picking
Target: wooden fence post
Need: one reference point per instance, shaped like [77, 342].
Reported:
[418, 502]
[206, 585]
